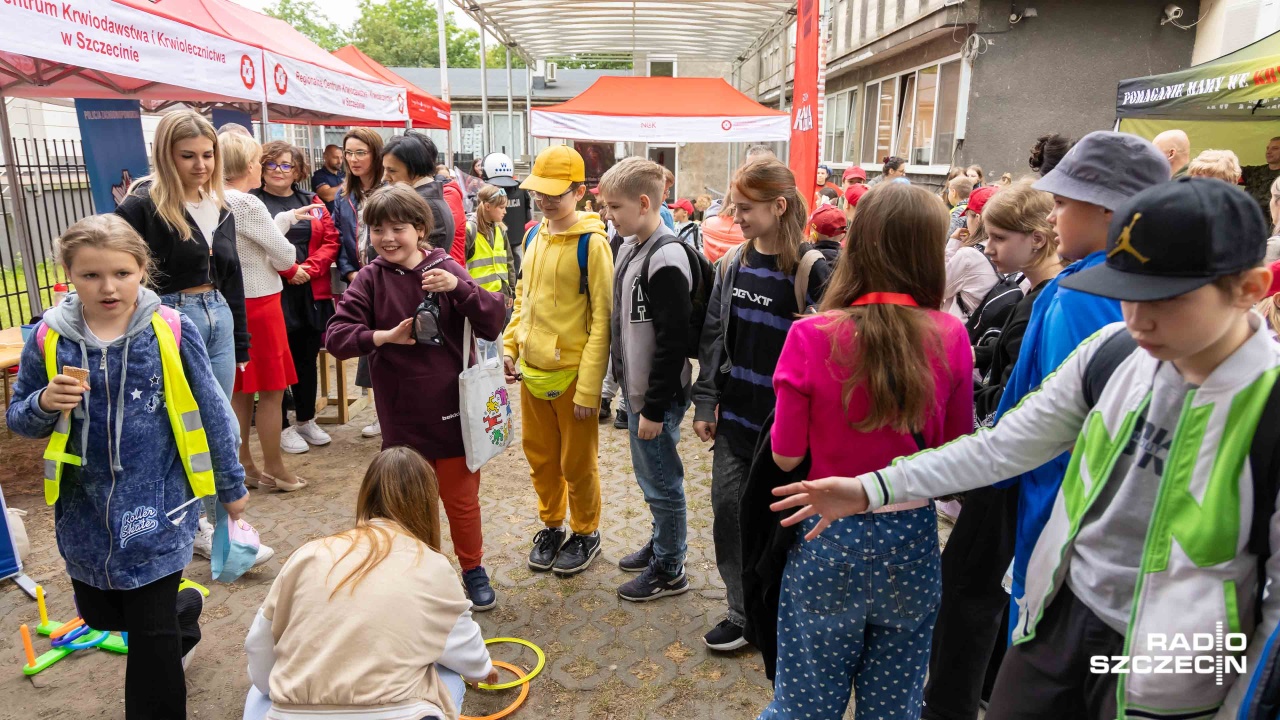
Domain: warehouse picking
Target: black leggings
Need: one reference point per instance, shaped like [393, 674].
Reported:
[154, 684]
[304, 345]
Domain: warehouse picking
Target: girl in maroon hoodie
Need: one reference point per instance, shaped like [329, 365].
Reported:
[416, 383]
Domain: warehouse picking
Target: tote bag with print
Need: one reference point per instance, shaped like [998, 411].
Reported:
[484, 406]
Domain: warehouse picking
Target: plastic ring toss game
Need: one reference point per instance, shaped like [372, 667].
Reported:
[542, 661]
[524, 693]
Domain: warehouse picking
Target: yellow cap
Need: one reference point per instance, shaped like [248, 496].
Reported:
[554, 170]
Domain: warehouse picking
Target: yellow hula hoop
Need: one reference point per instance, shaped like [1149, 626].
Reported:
[542, 662]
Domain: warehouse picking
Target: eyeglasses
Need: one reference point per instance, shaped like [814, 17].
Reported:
[543, 197]
[286, 167]
[357, 154]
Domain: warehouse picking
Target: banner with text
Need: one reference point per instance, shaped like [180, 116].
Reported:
[300, 84]
[117, 39]
[115, 153]
[804, 101]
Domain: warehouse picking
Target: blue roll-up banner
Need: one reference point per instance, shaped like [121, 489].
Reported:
[10, 563]
[115, 153]
[222, 116]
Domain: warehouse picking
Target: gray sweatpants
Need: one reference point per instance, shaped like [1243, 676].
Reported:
[728, 478]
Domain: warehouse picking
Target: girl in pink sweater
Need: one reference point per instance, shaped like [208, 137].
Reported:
[879, 374]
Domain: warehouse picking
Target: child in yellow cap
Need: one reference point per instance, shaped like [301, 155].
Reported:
[557, 344]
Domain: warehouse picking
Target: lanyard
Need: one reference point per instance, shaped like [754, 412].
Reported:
[885, 298]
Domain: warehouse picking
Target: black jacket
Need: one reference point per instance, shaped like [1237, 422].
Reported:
[995, 359]
[765, 544]
[442, 228]
[181, 264]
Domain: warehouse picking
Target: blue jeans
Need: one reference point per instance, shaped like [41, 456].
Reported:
[212, 317]
[660, 474]
[857, 610]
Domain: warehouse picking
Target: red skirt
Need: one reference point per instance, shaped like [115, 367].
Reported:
[270, 364]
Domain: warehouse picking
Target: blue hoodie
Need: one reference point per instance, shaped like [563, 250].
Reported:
[1060, 320]
[122, 519]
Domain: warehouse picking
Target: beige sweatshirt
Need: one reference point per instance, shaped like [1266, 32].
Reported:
[374, 647]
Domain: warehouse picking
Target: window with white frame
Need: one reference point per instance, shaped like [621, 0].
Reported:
[840, 127]
[500, 137]
[913, 115]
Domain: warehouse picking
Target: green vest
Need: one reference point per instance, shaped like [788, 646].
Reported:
[184, 417]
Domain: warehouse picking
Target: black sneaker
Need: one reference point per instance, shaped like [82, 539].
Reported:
[725, 637]
[606, 410]
[653, 584]
[190, 603]
[638, 560]
[620, 420]
[479, 590]
[577, 554]
[546, 545]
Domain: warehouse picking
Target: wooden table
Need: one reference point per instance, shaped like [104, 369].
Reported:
[10, 353]
[343, 402]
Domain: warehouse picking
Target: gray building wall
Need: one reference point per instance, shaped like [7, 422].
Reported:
[1058, 72]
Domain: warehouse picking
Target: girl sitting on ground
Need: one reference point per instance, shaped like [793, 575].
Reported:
[327, 640]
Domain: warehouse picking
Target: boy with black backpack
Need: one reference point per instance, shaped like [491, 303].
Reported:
[1164, 531]
[653, 340]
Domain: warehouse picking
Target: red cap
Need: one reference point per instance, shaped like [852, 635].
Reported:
[855, 172]
[828, 221]
[683, 204]
[979, 197]
[854, 193]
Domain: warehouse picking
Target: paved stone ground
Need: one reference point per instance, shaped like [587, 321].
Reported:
[607, 659]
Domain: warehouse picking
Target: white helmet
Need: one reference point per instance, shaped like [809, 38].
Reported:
[499, 170]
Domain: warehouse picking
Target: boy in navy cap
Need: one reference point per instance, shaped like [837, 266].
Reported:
[1164, 530]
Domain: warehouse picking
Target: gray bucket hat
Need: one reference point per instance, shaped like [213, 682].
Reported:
[1106, 168]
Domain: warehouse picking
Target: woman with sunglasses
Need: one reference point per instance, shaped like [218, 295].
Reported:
[307, 299]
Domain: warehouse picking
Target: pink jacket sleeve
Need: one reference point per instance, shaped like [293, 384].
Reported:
[790, 433]
[958, 421]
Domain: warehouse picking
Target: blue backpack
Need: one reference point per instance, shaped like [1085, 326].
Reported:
[583, 242]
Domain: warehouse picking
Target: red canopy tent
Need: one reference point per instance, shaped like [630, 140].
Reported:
[661, 109]
[425, 109]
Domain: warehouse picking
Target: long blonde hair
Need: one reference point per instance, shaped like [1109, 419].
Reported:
[764, 181]
[400, 488]
[486, 196]
[166, 186]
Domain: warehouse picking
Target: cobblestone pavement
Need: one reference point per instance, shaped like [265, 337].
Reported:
[607, 659]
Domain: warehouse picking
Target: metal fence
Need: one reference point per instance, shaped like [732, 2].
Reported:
[55, 187]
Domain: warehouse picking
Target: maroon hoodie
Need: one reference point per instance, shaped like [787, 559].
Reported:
[415, 387]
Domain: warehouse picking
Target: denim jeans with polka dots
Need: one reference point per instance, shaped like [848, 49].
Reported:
[856, 614]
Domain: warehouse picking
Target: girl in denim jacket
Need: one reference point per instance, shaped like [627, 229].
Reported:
[125, 516]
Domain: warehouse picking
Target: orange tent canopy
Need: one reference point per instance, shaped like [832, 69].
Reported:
[425, 110]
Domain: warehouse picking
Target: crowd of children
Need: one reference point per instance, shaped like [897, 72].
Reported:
[1094, 326]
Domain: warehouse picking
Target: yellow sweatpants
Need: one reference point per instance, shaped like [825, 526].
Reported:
[563, 456]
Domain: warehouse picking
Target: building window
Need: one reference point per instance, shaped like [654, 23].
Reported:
[915, 116]
[662, 68]
[500, 132]
[840, 127]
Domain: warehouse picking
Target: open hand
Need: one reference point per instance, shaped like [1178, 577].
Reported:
[436, 280]
[829, 498]
[304, 213]
[62, 393]
[706, 431]
[401, 334]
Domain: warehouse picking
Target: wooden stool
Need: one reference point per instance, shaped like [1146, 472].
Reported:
[344, 404]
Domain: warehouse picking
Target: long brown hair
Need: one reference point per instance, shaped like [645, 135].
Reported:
[763, 181]
[900, 232]
[399, 487]
[352, 186]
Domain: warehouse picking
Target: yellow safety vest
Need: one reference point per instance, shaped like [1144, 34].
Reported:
[184, 417]
[488, 263]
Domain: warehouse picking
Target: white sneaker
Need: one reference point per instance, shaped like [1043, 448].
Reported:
[292, 442]
[373, 430]
[312, 433]
[204, 539]
[265, 553]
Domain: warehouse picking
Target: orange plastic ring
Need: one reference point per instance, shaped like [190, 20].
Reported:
[66, 628]
[524, 693]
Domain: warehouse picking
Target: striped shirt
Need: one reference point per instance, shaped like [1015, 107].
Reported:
[761, 313]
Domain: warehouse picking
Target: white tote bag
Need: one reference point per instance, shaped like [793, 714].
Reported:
[484, 405]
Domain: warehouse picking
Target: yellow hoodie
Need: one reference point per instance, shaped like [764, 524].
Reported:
[553, 326]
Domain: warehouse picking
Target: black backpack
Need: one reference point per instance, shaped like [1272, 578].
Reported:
[702, 276]
[691, 234]
[987, 320]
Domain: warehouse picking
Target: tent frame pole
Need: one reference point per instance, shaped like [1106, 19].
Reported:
[262, 127]
[484, 92]
[444, 80]
[511, 115]
[18, 195]
[528, 110]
